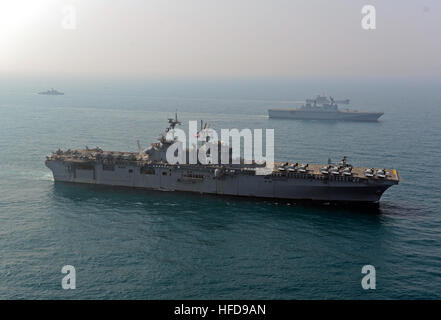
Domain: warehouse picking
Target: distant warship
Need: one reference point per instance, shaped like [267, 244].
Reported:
[334, 182]
[324, 108]
[52, 92]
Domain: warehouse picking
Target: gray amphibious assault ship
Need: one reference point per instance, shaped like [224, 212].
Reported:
[333, 182]
[323, 108]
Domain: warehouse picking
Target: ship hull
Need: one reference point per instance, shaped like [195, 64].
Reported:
[315, 115]
[173, 178]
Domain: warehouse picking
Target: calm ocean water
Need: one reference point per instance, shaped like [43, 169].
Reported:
[153, 245]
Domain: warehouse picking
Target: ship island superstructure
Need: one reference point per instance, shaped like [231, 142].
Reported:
[149, 169]
[323, 108]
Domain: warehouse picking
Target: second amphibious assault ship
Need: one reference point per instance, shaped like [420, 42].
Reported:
[324, 108]
[333, 182]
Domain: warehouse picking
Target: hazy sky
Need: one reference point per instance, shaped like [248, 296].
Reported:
[220, 38]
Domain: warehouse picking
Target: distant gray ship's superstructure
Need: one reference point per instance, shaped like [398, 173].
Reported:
[334, 182]
[324, 108]
[52, 92]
